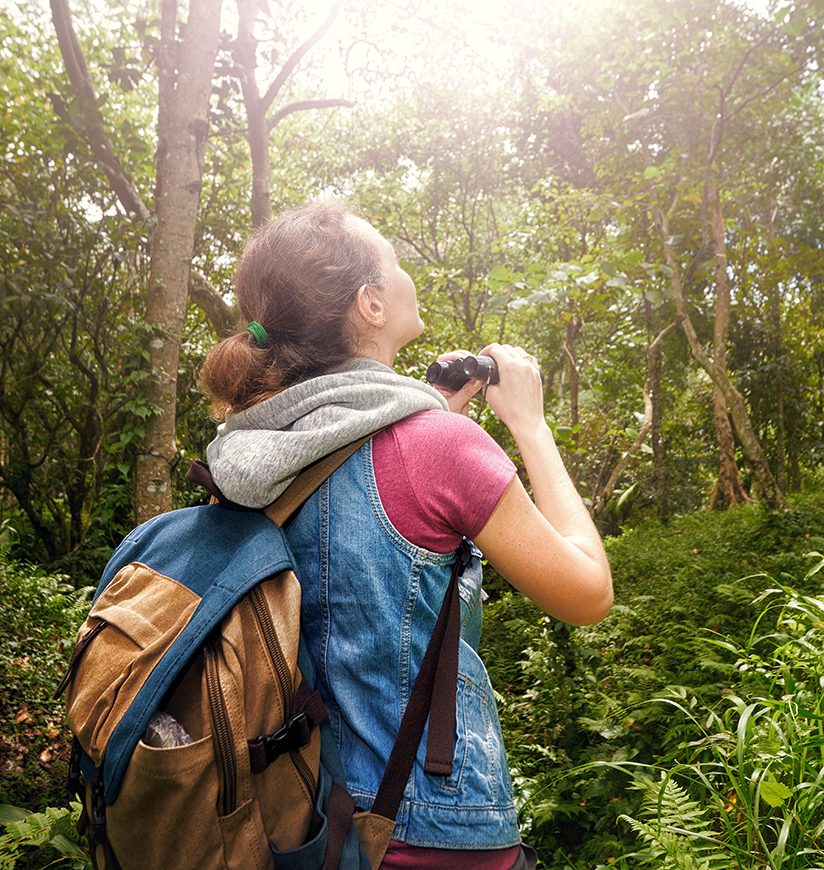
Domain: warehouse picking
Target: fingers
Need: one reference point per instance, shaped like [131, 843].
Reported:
[505, 354]
[454, 354]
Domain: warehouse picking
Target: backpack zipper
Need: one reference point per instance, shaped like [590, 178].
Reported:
[284, 674]
[222, 733]
[305, 773]
[270, 636]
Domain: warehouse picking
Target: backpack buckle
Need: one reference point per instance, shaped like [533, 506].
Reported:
[290, 736]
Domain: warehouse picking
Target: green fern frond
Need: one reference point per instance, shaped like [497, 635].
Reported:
[676, 830]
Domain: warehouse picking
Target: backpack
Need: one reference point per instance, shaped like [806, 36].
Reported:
[199, 737]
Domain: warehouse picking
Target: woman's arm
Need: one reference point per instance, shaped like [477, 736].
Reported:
[550, 549]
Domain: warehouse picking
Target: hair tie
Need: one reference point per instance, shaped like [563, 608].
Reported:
[259, 333]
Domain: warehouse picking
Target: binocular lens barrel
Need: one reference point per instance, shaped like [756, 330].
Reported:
[481, 368]
[454, 374]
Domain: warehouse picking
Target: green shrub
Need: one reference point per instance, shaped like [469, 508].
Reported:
[40, 614]
[753, 760]
[588, 690]
[32, 839]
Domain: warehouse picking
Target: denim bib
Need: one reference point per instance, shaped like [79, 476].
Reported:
[370, 602]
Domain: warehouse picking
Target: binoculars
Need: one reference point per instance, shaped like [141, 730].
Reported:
[454, 374]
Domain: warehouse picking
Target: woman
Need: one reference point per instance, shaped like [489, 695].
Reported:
[330, 308]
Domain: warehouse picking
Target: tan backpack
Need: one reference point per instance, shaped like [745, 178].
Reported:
[200, 741]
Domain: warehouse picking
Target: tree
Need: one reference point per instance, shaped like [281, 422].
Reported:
[185, 56]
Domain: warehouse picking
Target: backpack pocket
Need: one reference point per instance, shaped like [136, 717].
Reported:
[165, 813]
[139, 615]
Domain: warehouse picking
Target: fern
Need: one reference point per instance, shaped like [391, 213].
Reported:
[675, 829]
[54, 828]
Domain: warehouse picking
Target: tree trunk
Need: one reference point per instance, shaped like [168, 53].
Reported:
[573, 324]
[654, 360]
[650, 386]
[182, 128]
[771, 493]
[728, 490]
[257, 105]
[245, 55]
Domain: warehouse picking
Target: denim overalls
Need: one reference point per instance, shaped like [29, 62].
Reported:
[370, 601]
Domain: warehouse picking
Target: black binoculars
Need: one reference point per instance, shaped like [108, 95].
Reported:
[454, 374]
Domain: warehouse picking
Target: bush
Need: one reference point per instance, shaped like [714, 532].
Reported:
[40, 614]
[578, 700]
[745, 786]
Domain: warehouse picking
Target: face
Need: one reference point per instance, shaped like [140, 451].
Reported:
[402, 322]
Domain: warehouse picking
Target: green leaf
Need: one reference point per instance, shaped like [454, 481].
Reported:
[65, 847]
[9, 813]
[774, 793]
[652, 172]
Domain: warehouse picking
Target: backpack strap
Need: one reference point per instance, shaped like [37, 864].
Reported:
[310, 479]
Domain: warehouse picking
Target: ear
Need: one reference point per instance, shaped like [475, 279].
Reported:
[369, 306]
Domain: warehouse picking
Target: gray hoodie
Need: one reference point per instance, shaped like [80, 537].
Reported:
[258, 452]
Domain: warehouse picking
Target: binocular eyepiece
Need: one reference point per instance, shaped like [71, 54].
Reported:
[454, 374]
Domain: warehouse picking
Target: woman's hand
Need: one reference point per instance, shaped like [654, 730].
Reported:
[458, 400]
[518, 398]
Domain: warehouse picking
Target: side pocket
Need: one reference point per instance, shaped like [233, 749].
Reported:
[310, 855]
[144, 612]
[165, 813]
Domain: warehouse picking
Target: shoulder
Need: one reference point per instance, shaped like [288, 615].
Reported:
[439, 476]
[436, 427]
[432, 441]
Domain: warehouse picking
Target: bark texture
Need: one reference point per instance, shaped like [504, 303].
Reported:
[729, 490]
[650, 403]
[258, 105]
[185, 86]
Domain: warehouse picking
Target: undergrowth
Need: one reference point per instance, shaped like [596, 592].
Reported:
[684, 731]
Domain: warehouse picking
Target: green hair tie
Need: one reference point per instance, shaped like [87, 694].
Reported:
[261, 336]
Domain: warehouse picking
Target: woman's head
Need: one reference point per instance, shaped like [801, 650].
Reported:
[326, 286]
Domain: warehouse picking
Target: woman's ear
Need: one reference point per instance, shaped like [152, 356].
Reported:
[369, 307]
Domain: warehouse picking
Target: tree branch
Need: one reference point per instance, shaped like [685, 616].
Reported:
[763, 92]
[222, 316]
[297, 57]
[92, 121]
[302, 105]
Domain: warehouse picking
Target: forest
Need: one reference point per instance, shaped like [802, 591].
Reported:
[630, 189]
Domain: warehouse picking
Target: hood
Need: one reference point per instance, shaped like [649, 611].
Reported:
[258, 452]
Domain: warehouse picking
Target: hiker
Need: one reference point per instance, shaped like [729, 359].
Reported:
[329, 307]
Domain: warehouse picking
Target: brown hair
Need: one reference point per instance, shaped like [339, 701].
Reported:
[298, 277]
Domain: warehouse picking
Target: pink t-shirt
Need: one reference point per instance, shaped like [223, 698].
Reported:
[440, 477]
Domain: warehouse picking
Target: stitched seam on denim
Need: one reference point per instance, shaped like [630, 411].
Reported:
[411, 600]
[404, 545]
[489, 740]
[464, 809]
[369, 797]
[461, 727]
[323, 582]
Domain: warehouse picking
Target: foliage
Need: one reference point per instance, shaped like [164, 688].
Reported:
[576, 704]
[753, 759]
[40, 614]
[53, 830]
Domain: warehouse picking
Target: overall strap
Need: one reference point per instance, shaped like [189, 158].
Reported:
[433, 695]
